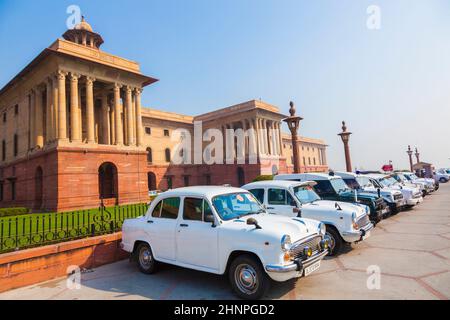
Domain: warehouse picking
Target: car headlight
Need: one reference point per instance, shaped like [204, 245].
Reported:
[322, 229]
[367, 210]
[286, 242]
[355, 226]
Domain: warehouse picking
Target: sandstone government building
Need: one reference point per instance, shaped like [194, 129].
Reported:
[74, 134]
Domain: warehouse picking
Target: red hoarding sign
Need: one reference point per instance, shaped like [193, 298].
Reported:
[387, 167]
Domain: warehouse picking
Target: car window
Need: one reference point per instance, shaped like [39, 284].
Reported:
[352, 183]
[207, 212]
[324, 187]
[259, 194]
[277, 196]
[170, 208]
[157, 210]
[193, 209]
[289, 199]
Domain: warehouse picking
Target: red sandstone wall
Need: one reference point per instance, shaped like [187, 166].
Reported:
[27, 267]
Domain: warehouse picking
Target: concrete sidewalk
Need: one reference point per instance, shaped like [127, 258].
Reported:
[411, 249]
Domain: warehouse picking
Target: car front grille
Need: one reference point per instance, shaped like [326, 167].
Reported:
[298, 247]
[379, 204]
[398, 197]
[364, 220]
[417, 195]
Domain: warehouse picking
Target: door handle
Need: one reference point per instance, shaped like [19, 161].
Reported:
[183, 225]
[149, 221]
[271, 208]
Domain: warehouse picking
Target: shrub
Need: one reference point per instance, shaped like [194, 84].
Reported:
[263, 178]
[7, 212]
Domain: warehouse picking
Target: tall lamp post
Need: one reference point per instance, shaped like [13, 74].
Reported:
[417, 154]
[293, 123]
[410, 153]
[345, 136]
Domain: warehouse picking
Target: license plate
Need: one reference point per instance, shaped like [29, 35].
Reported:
[312, 268]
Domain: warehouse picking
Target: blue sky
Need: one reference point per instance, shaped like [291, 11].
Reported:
[392, 85]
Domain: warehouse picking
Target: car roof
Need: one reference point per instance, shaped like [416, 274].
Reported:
[202, 191]
[376, 175]
[306, 176]
[344, 174]
[278, 183]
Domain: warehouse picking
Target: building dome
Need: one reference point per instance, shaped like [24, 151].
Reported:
[83, 25]
[82, 34]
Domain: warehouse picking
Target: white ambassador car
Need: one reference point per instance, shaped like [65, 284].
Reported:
[345, 222]
[225, 230]
[411, 194]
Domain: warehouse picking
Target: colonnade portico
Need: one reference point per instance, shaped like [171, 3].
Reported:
[79, 109]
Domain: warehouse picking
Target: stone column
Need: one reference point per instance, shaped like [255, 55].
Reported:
[75, 134]
[139, 130]
[105, 119]
[90, 109]
[48, 111]
[129, 117]
[280, 138]
[39, 117]
[118, 120]
[112, 121]
[32, 119]
[266, 136]
[55, 117]
[62, 117]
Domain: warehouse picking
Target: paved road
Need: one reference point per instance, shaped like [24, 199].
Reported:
[411, 249]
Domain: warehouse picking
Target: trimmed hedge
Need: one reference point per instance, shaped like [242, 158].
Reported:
[7, 212]
[263, 178]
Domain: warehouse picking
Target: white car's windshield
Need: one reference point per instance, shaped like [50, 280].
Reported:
[387, 182]
[364, 182]
[236, 205]
[339, 185]
[305, 194]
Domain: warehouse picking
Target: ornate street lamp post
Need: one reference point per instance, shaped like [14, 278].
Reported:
[410, 152]
[417, 154]
[293, 123]
[345, 136]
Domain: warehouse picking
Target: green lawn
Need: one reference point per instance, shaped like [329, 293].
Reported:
[30, 230]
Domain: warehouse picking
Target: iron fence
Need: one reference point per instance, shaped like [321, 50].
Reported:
[27, 231]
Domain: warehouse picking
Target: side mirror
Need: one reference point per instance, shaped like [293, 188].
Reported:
[253, 221]
[209, 219]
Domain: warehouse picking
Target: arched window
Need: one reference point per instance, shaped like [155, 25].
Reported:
[240, 176]
[38, 188]
[107, 181]
[149, 155]
[167, 153]
[151, 180]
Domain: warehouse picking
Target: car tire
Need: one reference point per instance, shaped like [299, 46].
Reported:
[335, 239]
[247, 277]
[146, 261]
[442, 180]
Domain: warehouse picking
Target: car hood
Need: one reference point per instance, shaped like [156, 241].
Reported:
[328, 205]
[276, 225]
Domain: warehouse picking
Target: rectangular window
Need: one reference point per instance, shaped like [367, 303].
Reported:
[314, 160]
[13, 190]
[186, 181]
[259, 194]
[3, 150]
[1, 191]
[170, 208]
[148, 130]
[166, 133]
[16, 109]
[4, 117]
[277, 196]
[16, 145]
[193, 209]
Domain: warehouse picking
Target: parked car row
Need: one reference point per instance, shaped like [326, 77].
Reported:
[268, 230]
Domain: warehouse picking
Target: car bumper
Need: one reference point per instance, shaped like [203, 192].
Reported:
[414, 201]
[359, 235]
[293, 270]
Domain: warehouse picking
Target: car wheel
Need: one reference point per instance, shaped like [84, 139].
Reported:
[335, 240]
[145, 259]
[248, 278]
[442, 180]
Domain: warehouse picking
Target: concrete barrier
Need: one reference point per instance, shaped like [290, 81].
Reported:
[31, 266]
